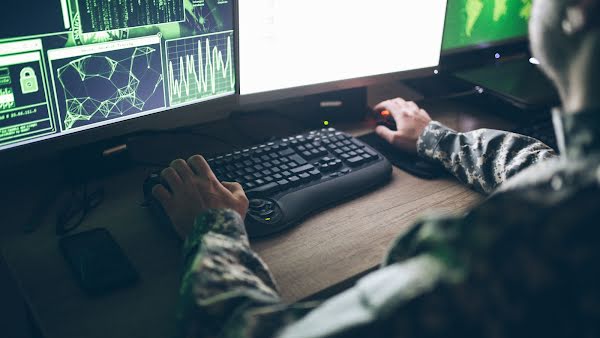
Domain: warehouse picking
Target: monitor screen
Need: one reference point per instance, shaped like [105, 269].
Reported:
[72, 65]
[288, 44]
[473, 23]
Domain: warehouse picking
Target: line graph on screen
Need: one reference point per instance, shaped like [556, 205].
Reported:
[200, 68]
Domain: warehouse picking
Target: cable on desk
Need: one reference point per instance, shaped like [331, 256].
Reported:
[74, 212]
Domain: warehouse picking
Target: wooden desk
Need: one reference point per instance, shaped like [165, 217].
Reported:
[328, 248]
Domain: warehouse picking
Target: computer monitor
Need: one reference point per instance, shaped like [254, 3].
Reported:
[297, 48]
[476, 24]
[78, 71]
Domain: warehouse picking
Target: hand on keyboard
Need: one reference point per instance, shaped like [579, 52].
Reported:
[410, 123]
[191, 188]
[286, 180]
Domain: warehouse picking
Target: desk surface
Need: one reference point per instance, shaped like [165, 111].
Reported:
[328, 248]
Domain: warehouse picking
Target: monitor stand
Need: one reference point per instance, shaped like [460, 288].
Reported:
[309, 112]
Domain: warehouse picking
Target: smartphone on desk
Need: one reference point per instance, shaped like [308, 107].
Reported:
[97, 262]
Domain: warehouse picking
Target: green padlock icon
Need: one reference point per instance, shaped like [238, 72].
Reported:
[29, 83]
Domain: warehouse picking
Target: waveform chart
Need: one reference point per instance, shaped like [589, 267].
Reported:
[200, 68]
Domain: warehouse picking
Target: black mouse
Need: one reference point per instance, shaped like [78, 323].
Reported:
[385, 118]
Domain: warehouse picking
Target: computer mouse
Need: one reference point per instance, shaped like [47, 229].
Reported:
[385, 118]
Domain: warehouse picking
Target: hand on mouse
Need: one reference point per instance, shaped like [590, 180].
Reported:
[194, 188]
[410, 122]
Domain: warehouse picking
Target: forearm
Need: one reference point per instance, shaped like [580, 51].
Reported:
[483, 159]
[223, 277]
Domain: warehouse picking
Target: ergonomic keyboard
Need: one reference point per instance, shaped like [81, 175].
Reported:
[288, 179]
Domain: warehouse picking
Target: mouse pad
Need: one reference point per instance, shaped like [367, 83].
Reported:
[412, 164]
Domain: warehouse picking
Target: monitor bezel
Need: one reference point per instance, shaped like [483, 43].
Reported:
[499, 44]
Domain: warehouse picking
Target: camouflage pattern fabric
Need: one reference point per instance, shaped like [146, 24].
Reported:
[525, 263]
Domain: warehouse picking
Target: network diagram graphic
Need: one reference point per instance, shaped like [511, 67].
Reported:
[109, 87]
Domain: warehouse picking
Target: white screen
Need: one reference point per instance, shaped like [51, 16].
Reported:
[291, 43]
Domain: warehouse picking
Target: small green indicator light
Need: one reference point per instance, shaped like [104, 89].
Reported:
[268, 219]
[326, 123]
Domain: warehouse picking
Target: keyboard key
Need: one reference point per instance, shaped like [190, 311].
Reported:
[302, 169]
[304, 177]
[287, 152]
[298, 159]
[355, 161]
[294, 179]
[315, 173]
[283, 184]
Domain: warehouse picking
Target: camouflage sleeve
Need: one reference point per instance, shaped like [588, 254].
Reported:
[483, 159]
[226, 288]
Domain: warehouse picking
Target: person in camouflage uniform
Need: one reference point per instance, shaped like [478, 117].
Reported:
[525, 263]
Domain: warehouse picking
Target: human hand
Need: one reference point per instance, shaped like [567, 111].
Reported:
[194, 188]
[410, 122]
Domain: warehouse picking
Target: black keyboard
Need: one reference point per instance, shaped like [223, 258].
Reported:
[288, 179]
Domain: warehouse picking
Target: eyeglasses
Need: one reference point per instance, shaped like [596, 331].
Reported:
[80, 204]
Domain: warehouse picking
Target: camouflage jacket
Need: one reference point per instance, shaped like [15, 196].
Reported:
[523, 263]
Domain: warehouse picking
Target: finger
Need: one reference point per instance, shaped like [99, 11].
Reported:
[162, 195]
[385, 105]
[183, 170]
[412, 107]
[232, 186]
[235, 189]
[399, 101]
[201, 168]
[172, 178]
[385, 133]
